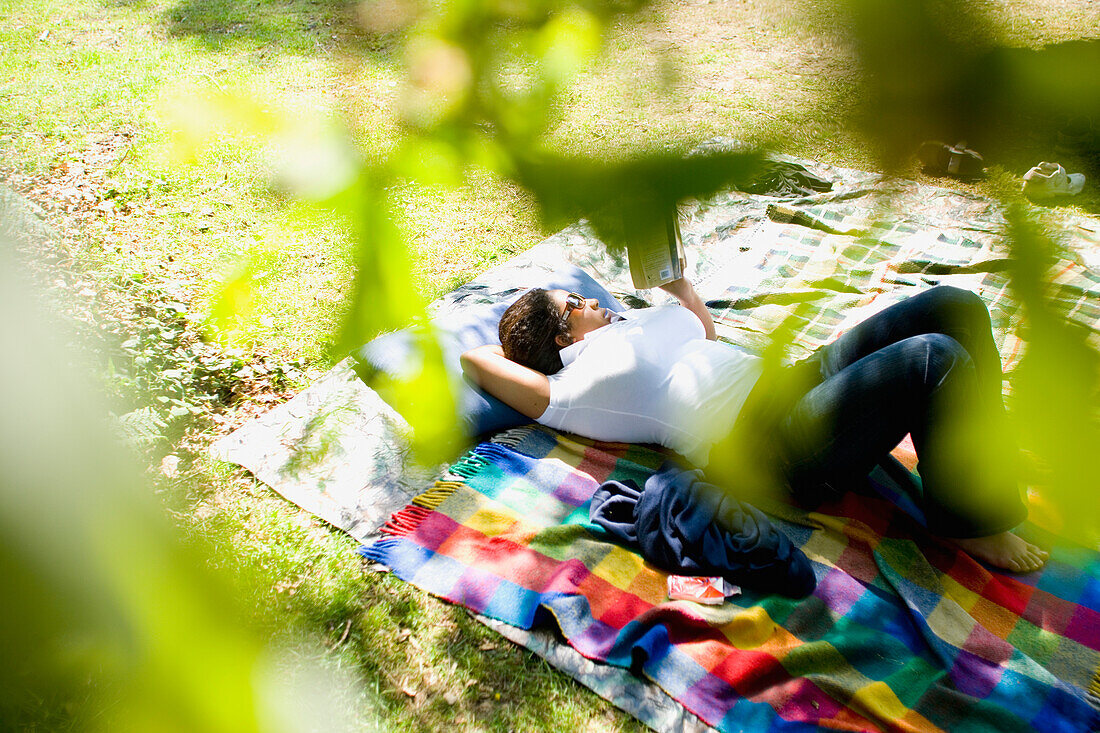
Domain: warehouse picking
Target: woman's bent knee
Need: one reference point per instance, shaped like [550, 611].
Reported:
[937, 356]
[964, 305]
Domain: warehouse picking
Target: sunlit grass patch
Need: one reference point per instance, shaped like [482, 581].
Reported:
[79, 72]
[455, 234]
[687, 72]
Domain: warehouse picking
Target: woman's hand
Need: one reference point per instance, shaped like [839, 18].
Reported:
[684, 292]
[522, 389]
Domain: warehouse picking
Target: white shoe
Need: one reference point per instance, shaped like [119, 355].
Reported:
[1050, 180]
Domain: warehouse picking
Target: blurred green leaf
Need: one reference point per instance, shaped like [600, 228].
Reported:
[641, 190]
[568, 42]
[105, 608]
[941, 70]
[429, 160]
[423, 395]
[736, 461]
[233, 306]
[1057, 385]
[384, 298]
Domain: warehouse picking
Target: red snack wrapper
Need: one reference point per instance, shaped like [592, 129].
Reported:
[711, 591]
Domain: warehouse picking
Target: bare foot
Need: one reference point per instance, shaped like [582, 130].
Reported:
[1006, 551]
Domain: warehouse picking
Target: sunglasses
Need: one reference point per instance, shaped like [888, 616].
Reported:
[572, 302]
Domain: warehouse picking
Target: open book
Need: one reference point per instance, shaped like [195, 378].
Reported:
[656, 255]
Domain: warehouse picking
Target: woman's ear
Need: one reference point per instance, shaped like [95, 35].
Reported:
[562, 340]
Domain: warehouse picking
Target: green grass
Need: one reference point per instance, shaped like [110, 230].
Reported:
[95, 84]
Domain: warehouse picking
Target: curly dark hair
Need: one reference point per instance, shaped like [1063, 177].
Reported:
[528, 330]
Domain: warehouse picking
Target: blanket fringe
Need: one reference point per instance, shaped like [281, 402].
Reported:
[469, 464]
[1094, 694]
[405, 521]
[492, 451]
[433, 497]
[513, 437]
[379, 550]
[481, 456]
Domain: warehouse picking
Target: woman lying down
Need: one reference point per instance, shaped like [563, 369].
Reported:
[926, 366]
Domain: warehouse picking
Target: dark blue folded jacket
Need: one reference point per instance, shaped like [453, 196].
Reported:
[690, 527]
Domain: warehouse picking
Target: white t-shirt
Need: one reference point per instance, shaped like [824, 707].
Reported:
[652, 378]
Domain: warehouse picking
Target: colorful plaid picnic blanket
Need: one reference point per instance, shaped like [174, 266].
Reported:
[902, 633]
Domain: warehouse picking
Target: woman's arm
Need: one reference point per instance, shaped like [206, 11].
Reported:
[684, 292]
[522, 389]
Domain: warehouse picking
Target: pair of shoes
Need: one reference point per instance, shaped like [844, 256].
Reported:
[1050, 180]
[941, 159]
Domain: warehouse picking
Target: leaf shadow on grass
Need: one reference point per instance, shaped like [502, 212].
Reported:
[292, 27]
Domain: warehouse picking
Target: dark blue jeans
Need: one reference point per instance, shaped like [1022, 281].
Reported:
[927, 366]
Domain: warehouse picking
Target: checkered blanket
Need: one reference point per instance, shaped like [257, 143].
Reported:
[902, 633]
[821, 269]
